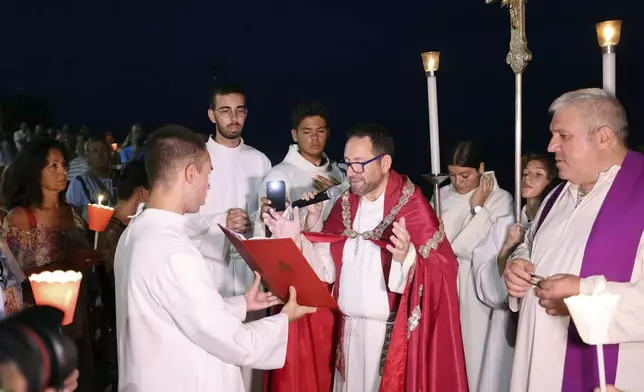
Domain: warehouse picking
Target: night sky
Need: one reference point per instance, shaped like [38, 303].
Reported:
[110, 63]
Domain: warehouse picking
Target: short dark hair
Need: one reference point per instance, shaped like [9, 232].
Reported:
[168, 146]
[225, 89]
[382, 141]
[96, 139]
[467, 154]
[309, 109]
[23, 179]
[131, 176]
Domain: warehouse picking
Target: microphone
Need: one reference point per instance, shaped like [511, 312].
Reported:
[331, 193]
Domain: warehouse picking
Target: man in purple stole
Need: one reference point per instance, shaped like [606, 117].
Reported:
[588, 239]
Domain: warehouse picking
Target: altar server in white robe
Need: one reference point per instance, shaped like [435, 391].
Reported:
[175, 331]
[306, 168]
[588, 239]
[488, 263]
[238, 170]
[469, 206]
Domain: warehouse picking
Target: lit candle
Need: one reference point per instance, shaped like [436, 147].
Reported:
[608, 36]
[99, 215]
[431, 63]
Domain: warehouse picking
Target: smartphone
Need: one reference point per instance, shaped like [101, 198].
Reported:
[276, 193]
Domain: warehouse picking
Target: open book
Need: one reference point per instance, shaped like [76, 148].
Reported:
[281, 264]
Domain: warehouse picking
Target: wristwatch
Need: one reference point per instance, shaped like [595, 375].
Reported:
[476, 210]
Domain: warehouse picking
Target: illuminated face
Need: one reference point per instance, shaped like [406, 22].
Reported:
[365, 170]
[535, 179]
[464, 179]
[576, 149]
[229, 115]
[54, 175]
[311, 135]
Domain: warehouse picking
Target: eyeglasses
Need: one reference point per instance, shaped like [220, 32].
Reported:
[227, 111]
[358, 167]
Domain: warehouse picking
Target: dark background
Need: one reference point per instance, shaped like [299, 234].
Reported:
[110, 63]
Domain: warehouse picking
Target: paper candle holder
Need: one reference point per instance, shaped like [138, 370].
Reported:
[99, 216]
[593, 315]
[58, 289]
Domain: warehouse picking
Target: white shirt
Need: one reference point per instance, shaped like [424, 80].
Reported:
[175, 332]
[362, 298]
[297, 173]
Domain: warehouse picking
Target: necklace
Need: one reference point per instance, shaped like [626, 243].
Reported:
[51, 212]
[580, 196]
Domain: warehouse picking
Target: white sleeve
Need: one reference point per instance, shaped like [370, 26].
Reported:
[490, 287]
[319, 257]
[204, 232]
[629, 319]
[236, 306]
[206, 322]
[465, 242]
[399, 272]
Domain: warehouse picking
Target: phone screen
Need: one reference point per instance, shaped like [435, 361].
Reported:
[276, 193]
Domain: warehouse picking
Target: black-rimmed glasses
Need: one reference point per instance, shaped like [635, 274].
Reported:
[358, 167]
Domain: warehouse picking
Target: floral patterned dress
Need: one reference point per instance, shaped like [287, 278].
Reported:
[40, 246]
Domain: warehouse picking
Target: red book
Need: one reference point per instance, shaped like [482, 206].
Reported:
[281, 264]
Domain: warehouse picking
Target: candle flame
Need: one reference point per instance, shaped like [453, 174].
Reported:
[609, 33]
[100, 199]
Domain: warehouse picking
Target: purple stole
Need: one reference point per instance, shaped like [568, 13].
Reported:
[610, 251]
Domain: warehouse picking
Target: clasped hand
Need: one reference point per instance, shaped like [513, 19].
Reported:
[237, 220]
[551, 291]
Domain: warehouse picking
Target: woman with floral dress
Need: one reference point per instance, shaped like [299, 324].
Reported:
[42, 232]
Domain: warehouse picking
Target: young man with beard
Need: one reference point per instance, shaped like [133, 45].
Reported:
[306, 168]
[393, 274]
[238, 170]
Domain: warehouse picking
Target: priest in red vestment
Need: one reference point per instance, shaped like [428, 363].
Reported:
[384, 254]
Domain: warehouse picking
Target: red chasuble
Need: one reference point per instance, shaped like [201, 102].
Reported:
[423, 348]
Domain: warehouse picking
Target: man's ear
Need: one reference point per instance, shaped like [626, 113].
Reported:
[386, 163]
[294, 135]
[211, 116]
[605, 137]
[482, 168]
[191, 173]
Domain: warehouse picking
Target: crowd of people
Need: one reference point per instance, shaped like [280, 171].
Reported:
[449, 300]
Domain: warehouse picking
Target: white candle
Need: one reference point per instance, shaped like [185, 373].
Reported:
[608, 60]
[434, 144]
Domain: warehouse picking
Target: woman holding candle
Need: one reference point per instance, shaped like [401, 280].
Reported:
[43, 232]
[469, 206]
[488, 263]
